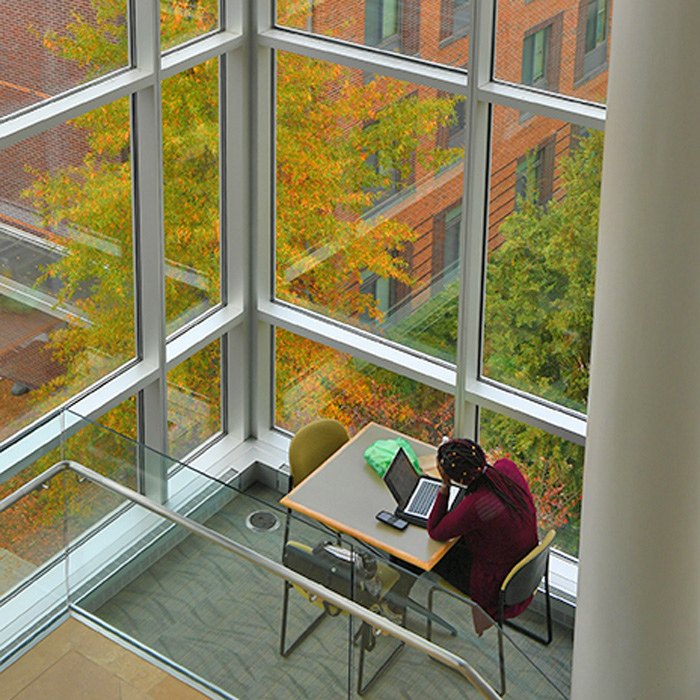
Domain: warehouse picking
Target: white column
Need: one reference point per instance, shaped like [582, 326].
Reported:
[638, 617]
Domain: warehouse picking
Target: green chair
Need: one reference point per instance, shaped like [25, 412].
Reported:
[313, 445]
[344, 580]
[310, 447]
[522, 581]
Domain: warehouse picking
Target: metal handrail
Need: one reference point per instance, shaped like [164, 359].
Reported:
[335, 599]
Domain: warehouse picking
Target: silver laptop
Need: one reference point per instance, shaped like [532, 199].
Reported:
[414, 494]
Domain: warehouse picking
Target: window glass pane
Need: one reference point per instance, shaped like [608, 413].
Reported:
[366, 177]
[312, 381]
[194, 400]
[182, 20]
[559, 47]
[541, 257]
[47, 48]
[434, 30]
[191, 192]
[552, 466]
[66, 263]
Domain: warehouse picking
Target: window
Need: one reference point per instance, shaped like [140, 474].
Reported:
[456, 137]
[535, 51]
[132, 205]
[534, 174]
[380, 289]
[451, 246]
[527, 176]
[542, 54]
[382, 24]
[455, 18]
[446, 248]
[592, 53]
[389, 177]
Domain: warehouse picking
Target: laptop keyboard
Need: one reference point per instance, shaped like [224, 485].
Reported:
[425, 497]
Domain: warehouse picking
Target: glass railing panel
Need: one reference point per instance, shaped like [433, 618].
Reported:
[118, 549]
[246, 511]
[532, 670]
[105, 537]
[32, 578]
[103, 449]
[211, 612]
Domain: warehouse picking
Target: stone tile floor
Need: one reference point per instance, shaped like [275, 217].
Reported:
[76, 663]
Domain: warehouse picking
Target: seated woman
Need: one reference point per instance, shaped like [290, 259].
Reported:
[496, 520]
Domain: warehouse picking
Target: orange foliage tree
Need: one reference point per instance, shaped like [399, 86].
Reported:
[342, 140]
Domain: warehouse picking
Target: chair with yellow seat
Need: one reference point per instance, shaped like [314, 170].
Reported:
[522, 581]
[310, 447]
[367, 586]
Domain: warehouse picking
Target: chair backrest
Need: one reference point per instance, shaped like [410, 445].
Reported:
[313, 445]
[524, 578]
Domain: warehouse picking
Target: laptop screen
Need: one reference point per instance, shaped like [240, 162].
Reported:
[401, 478]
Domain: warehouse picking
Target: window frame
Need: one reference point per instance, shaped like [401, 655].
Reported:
[249, 313]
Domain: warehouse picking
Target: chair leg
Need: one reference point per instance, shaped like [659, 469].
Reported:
[283, 634]
[548, 620]
[501, 660]
[430, 615]
[367, 643]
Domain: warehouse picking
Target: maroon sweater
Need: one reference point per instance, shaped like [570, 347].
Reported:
[495, 537]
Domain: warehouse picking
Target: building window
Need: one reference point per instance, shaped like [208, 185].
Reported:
[455, 19]
[382, 24]
[451, 135]
[382, 290]
[456, 134]
[391, 177]
[445, 253]
[542, 46]
[534, 175]
[451, 246]
[592, 39]
[535, 52]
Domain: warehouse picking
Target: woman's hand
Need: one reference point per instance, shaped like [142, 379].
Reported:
[446, 481]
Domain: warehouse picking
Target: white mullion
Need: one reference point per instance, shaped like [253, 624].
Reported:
[202, 332]
[476, 185]
[360, 344]
[199, 51]
[262, 330]
[150, 247]
[82, 100]
[366, 59]
[529, 410]
[235, 120]
[561, 107]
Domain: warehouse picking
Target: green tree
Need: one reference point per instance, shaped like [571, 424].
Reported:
[540, 285]
[538, 321]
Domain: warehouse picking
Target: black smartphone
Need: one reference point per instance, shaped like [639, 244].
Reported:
[385, 516]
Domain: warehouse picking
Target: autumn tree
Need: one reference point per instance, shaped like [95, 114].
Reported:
[342, 140]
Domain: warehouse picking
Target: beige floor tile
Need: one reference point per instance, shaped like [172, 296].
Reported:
[77, 663]
[135, 671]
[35, 661]
[128, 692]
[172, 689]
[119, 661]
[73, 677]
